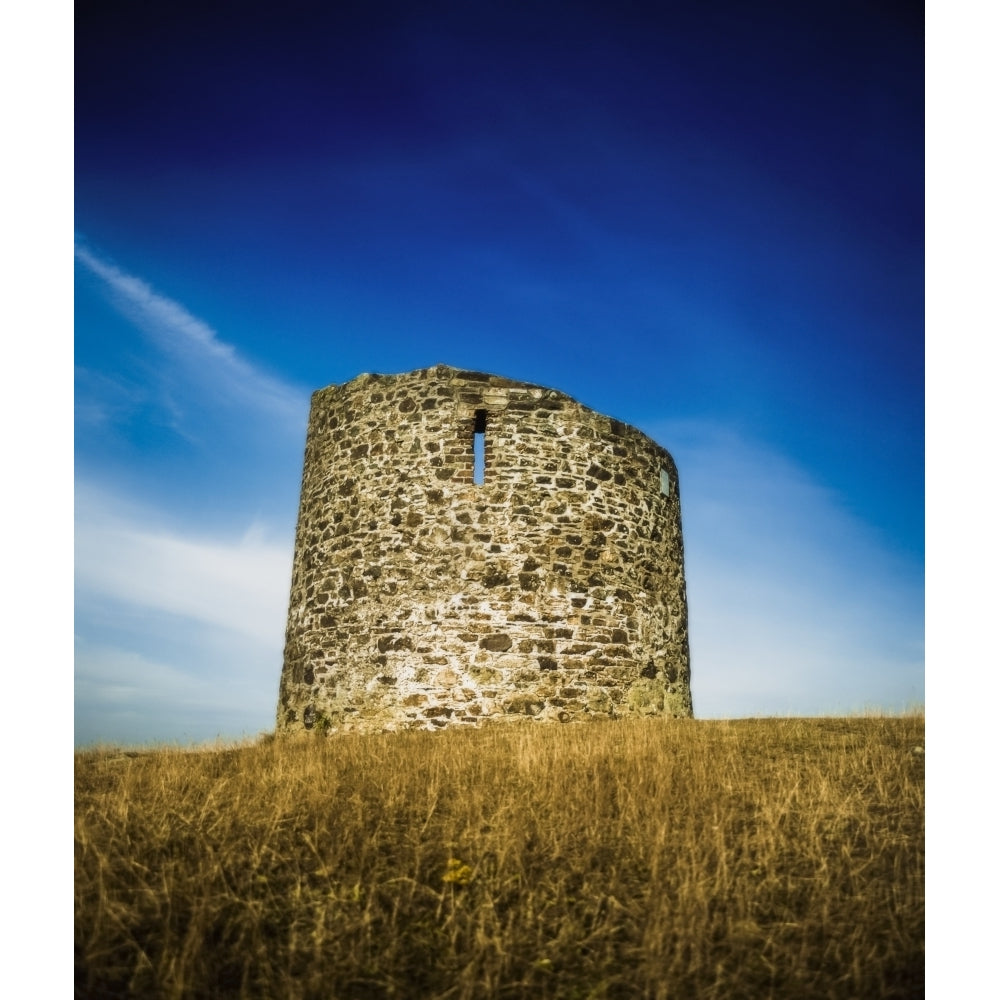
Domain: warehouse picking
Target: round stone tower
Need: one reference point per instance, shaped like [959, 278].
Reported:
[472, 548]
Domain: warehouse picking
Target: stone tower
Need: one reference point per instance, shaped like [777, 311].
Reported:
[472, 548]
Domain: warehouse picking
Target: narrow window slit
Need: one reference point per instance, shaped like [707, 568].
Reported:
[479, 448]
[665, 482]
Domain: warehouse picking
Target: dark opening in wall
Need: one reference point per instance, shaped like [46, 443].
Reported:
[479, 448]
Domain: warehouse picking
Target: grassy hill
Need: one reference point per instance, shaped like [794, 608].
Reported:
[639, 858]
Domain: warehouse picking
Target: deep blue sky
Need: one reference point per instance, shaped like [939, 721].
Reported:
[706, 220]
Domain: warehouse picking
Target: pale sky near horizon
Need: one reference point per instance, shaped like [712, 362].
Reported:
[707, 222]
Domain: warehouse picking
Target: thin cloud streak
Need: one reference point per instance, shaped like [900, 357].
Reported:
[794, 605]
[237, 584]
[192, 341]
[179, 628]
[767, 646]
[128, 696]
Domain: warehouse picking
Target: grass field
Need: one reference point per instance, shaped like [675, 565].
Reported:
[630, 859]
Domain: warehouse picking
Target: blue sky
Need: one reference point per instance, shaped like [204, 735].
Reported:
[707, 221]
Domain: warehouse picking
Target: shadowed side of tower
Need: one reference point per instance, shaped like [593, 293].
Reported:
[474, 548]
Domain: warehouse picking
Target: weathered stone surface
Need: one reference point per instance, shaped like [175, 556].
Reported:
[552, 590]
[497, 643]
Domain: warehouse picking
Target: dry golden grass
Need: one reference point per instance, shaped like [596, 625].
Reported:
[684, 859]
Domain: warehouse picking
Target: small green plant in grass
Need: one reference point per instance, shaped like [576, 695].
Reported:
[322, 724]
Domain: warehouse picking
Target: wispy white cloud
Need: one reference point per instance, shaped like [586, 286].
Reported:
[179, 626]
[179, 632]
[124, 679]
[100, 400]
[123, 553]
[124, 696]
[193, 343]
[795, 605]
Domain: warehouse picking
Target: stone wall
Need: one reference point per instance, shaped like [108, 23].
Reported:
[421, 598]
